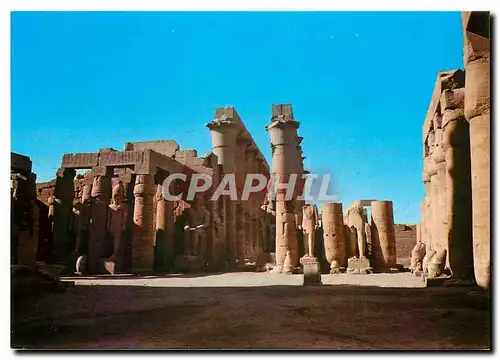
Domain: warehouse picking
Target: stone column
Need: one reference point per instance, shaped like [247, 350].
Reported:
[283, 134]
[101, 193]
[243, 239]
[252, 206]
[143, 232]
[431, 215]
[160, 247]
[224, 130]
[456, 147]
[476, 27]
[28, 238]
[440, 229]
[333, 236]
[426, 205]
[128, 180]
[299, 204]
[63, 204]
[383, 232]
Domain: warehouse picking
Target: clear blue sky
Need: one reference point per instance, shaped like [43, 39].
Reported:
[360, 84]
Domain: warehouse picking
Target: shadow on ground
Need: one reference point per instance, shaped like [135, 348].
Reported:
[286, 317]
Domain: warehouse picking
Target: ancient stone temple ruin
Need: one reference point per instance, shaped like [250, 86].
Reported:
[454, 231]
[115, 218]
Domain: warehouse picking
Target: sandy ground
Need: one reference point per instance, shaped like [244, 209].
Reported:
[254, 310]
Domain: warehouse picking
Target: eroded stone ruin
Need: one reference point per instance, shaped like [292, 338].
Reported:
[114, 218]
[453, 235]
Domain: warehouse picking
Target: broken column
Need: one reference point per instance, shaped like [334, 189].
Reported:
[476, 29]
[383, 233]
[333, 236]
[283, 134]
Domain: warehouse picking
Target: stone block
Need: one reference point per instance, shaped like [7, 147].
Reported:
[311, 271]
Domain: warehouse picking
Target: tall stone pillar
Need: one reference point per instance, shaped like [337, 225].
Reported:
[63, 204]
[383, 232]
[456, 147]
[252, 206]
[160, 247]
[100, 193]
[224, 130]
[476, 28]
[333, 236]
[143, 232]
[128, 180]
[243, 240]
[299, 204]
[283, 134]
[439, 221]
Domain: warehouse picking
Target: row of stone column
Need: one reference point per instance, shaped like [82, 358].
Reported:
[140, 225]
[240, 219]
[455, 213]
[337, 236]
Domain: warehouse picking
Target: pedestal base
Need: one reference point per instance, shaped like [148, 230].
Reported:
[311, 271]
[359, 266]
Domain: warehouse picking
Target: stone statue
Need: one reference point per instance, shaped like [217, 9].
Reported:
[436, 265]
[310, 222]
[427, 258]
[417, 256]
[355, 218]
[196, 230]
[117, 222]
